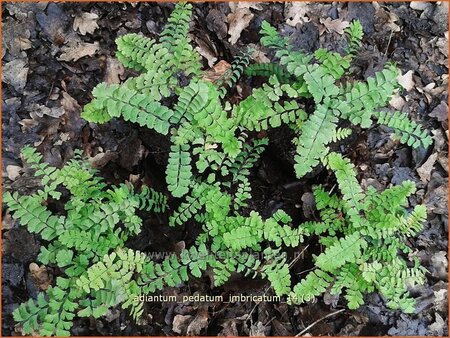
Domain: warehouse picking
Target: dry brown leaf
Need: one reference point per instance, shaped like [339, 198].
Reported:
[217, 71]
[406, 80]
[28, 124]
[7, 221]
[180, 323]
[425, 170]
[258, 330]
[205, 49]
[114, 69]
[440, 112]
[13, 171]
[237, 22]
[296, 12]
[40, 276]
[419, 5]
[102, 159]
[244, 4]
[397, 102]
[74, 53]
[15, 73]
[200, 322]
[336, 26]
[85, 23]
[229, 328]
[258, 55]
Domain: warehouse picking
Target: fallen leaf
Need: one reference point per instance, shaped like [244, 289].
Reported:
[419, 5]
[40, 276]
[114, 69]
[406, 80]
[440, 112]
[244, 4]
[180, 324]
[397, 102]
[438, 327]
[15, 36]
[15, 73]
[425, 170]
[102, 159]
[216, 21]
[229, 328]
[257, 330]
[205, 49]
[439, 264]
[74, 53]
[13, 171]
[336, 26]
[238, 21]
[296, 12]
[217, 71]
[85, 23]
[199, 323]
[41, 110]
[258, 55]
[7, 221]
[28, 124]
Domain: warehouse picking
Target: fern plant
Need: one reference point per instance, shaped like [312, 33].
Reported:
[97, 220]
[320, 76]
[213, 151]
[364, 234]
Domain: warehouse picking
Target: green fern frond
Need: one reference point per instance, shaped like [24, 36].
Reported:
[175, 38]
[313, 285]
[347, 249]
[406, 130]
[354, 34]
[133, 50]
[351, 191]
[317, 132]
[335, 64]
[361, 99]
[120, 101]
[179, 170]
[270, 37]
[267, 70]
[233, 74]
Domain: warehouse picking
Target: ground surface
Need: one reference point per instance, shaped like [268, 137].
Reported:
[54, 54]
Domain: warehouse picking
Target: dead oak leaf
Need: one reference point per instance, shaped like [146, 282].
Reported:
[440, 112]
[85, 23]
[336, 26]
[216, 72]
[296, 12]
[40, 276]
[74, 53]
[200, 322]
[180, 323]
[406, 80]
[238, 21]
[13, 171]
[114, 70]
[425, 170]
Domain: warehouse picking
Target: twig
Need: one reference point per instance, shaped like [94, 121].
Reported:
[298, 256]
[318, 321]
[389, 42]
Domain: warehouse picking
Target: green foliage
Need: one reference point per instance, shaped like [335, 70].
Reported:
[232, 75]
[96, 220]
[359, 103]
[213, 154]
[267, 70]
[374, 226]
[354, 35]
